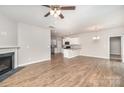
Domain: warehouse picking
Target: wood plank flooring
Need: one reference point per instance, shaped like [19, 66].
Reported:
[76, 72]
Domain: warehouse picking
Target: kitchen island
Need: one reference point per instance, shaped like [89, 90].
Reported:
[70, 53]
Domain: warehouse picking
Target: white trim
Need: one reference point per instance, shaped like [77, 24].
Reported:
[122, 48]
[94, 56]
[33, 62]
[9, 47]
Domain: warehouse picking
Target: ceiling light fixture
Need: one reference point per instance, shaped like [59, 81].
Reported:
[96, 28]
[56, 12]
[55, 15]
[96, 38]
[51, 12]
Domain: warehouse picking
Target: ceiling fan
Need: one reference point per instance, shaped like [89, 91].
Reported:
[56, 10]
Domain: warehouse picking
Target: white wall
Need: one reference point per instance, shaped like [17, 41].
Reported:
[34, 42]
[8, 31]
[115, 45]
[112, 24]
[99, 48]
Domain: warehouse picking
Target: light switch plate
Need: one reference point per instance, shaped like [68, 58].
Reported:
[3, 33]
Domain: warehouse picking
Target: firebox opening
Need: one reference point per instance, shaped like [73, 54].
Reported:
[6, 62]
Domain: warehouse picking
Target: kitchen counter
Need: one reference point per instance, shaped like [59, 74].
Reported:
[72, 52]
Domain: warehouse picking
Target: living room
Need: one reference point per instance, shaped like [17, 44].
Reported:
[72, 50]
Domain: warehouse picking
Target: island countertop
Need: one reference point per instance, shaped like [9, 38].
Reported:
[71, 52]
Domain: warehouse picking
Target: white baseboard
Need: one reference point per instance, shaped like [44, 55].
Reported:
[116, 54]
[95, 56]
[33, 62]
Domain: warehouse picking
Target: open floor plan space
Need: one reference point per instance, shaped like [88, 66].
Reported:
[62, 46]
[75, 72]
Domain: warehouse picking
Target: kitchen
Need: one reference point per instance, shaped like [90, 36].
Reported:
[68, 46]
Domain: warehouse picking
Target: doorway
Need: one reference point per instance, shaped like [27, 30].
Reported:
[115, 49]
[56, 45]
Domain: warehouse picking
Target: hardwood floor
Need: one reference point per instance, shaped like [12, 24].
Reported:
[76, 72]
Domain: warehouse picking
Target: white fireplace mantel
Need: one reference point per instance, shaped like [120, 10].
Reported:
[8, 47]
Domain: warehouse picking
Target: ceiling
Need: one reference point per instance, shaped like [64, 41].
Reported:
[84, 18]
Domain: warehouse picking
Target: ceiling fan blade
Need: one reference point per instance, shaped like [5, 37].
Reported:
[47, 14]
[61, 16]
[68, 8]
[46, 6]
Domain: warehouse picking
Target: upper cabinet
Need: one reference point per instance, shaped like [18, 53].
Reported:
[72, 41]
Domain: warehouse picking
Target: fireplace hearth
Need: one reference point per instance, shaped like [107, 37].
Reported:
[6, 62]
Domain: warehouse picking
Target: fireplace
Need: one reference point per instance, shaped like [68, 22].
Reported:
[6, 62]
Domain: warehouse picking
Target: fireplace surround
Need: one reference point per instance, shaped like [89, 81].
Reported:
[6, 62]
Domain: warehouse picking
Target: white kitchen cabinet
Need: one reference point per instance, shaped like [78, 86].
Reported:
[72, 41]
[70, 53]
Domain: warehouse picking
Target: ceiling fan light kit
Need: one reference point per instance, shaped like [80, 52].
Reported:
[55, 15]
[58, 12]
[55, 12]
[51, 12]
